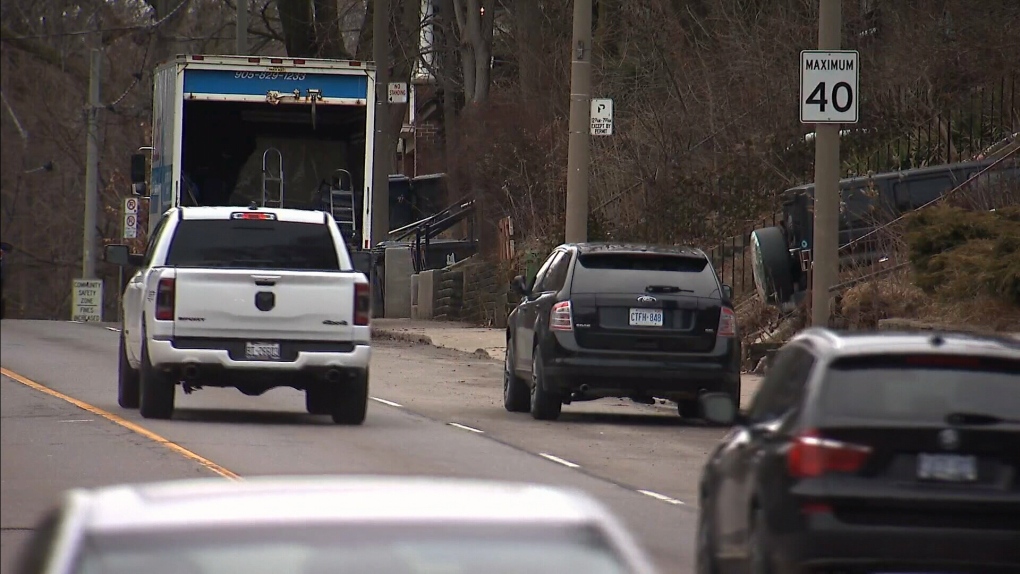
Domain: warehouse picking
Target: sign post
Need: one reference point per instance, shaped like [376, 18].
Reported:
[601, 116]
[87, 296]
[828, 97]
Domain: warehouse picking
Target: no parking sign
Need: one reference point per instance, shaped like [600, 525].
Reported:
[130, 218]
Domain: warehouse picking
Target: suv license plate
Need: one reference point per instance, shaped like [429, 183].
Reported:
[947, 467]
[262, 351]
[646, 317]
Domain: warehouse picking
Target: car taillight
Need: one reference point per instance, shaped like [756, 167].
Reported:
[727, 323]
[561, 318]
[165, 300]
[362, 303]
[812, 455]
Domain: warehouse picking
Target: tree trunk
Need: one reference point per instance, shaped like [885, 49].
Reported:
[482, 47]
[328, 40]
[298, 32]
[527, 26]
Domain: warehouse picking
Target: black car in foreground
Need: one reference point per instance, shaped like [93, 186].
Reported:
[872, 452]
[609, 320]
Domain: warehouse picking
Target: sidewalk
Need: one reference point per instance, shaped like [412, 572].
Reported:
[481, 341]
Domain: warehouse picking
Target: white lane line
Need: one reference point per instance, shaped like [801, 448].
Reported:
[76, 421]
[559, 460]
[114, 329]
[661, 497]
[385, 402]
[465, 427]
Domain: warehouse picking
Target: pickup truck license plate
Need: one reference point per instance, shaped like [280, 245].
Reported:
[262, 351]
[947, 467]
[646, 317]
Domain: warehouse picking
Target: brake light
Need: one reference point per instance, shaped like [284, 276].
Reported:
[362, 303]
[253, 215]
[165, 298]
[727, 323]
[811, 455]
[561, 319]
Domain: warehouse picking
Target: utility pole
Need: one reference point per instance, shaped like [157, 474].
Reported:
[242, 27]
[88, 266]
[578, 145]
[384, 147]
[826, 232]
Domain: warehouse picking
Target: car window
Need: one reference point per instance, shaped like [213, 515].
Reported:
[783, 388]
[253, 244]
[150, 248]
[634, 272]
[540, 274]
[920, 388]
[375, 549]
[542, 278]
[557, 274]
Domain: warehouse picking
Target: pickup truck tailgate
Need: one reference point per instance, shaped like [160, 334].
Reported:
[282, 305]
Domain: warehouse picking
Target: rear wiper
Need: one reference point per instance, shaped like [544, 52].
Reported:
[963, 418]
[667, 289]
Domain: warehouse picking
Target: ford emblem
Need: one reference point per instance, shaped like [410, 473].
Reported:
[647, 299]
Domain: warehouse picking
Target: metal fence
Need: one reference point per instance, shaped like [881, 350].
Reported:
[967, 130]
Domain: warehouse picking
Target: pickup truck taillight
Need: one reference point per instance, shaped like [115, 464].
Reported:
[362, 303]
[165, 300]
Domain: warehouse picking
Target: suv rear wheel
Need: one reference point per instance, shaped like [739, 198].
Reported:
[545, 406]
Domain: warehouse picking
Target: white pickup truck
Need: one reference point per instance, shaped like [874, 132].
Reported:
[245, 297]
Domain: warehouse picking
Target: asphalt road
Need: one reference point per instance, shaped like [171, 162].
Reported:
[436, 412]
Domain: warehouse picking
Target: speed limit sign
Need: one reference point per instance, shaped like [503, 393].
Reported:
[828, 86]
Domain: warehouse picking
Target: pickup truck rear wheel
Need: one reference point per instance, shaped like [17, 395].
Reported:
[351, 404]
[157, 389]
[127, 379]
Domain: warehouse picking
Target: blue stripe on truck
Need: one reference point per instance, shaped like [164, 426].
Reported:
[253, 83]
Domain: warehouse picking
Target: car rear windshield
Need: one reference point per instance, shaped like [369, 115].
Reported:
[633, 272]
[921, 388]
[253, 244]
[359, 549]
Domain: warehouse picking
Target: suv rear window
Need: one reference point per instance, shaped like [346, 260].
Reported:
[921, 388]
[253, 244]
[632, 272]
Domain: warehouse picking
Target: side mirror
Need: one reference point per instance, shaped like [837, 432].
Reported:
[121, 255]
[520, 285]
[727, 293]
[138, 169]
[718, 408]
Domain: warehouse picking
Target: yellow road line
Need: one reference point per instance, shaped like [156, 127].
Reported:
[124, 423]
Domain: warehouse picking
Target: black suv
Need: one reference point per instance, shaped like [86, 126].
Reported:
[869, 452]
[610, 320]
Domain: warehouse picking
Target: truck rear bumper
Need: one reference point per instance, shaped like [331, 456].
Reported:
[169, 354]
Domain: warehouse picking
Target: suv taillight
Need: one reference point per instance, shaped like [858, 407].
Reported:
[362, 303]
[165, 300]
[812, 455]
[561, 318]
[727, 323]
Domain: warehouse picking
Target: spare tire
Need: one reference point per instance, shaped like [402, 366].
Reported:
[771, 265]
